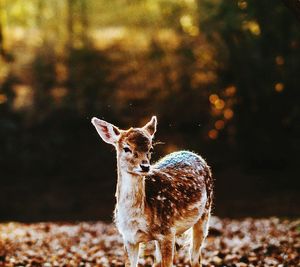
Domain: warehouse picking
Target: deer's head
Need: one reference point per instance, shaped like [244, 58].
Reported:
[133, 146]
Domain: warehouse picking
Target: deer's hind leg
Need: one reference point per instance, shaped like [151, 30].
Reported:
[166, 248]
[200, 231]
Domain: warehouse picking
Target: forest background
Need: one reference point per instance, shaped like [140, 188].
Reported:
[222, 77]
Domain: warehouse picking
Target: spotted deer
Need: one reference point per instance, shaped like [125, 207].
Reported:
[161, 201]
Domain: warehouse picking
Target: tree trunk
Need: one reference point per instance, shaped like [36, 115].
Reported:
[2, 50]
[70, 21]
[84, 22]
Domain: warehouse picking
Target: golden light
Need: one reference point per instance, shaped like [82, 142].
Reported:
[213, 98]
[171, 148]
[58, 93]
[193, 31]
[219, 104]
[23, 96]
[204, 77]
[186, 22]
[252, 26]
[61, 72]
[105, 37]
[213, 134]
[279, 87]
[3, 98]
[216, 112]
[279, 60]
[242, 4]
[219, 124]
[18, 34]
[228, 113]
[230, 91]
[190, 1]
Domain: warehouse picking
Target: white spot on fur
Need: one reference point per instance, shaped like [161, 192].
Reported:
[159, 197]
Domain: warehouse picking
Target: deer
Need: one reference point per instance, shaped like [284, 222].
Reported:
[161, 201]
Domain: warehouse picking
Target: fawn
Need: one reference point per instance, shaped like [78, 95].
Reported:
[160, 201]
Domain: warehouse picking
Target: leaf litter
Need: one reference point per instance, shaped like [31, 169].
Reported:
[233, 243]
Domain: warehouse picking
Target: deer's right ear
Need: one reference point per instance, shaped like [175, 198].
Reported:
[107, 131]
[150, 127]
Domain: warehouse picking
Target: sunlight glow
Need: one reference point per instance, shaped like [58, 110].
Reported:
[279, 87]
[252, 26]
[213, 98]
[106, 36]
[171, 148]
[230, 91]
[213, 134]
[61, 71]
[219, 104]
[279, 60]
[3, 98]
[219, 124]
[58, 93]
[190, 1]
[186, 22]
[242, 4]
[24, 96]
[228, 113]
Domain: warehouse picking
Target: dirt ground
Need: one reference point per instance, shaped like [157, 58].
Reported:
[239, 243]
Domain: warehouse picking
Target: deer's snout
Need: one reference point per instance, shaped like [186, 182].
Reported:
[145, 167]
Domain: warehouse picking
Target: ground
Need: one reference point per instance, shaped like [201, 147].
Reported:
[238, 243]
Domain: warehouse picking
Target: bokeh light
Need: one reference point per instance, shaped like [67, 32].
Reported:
[279, 87]
[213, 98]
[279, 60]
[219, 104]
[3, 98]
[228, 113]
[219, 124]
[213, 134]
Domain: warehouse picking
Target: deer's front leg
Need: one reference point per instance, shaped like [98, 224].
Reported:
[166, 245]
[132, 254]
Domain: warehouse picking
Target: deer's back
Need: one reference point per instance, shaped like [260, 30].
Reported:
[178, 189]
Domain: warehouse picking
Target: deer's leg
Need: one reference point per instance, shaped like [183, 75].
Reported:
[200, 231]
[157, 258]
[132, 254]
[166, 245]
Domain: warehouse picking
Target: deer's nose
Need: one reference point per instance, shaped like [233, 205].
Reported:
[145, 167]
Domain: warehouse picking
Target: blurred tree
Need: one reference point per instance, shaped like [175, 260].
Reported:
[2, 49]
[294, 5]
[219, 74]
[260, 55]
[77, 23]
[70, 23]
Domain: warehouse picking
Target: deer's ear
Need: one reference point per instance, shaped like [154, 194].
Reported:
[150, 127]
[107, 131]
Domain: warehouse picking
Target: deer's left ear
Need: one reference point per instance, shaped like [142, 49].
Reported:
[107, 131]
[150, 127]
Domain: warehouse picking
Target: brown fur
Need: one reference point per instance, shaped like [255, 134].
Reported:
[169, 193]
[139, 140]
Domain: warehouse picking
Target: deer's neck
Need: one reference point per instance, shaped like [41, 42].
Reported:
[130, 190]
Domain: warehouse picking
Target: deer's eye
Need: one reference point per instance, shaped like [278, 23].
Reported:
[127, 149]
